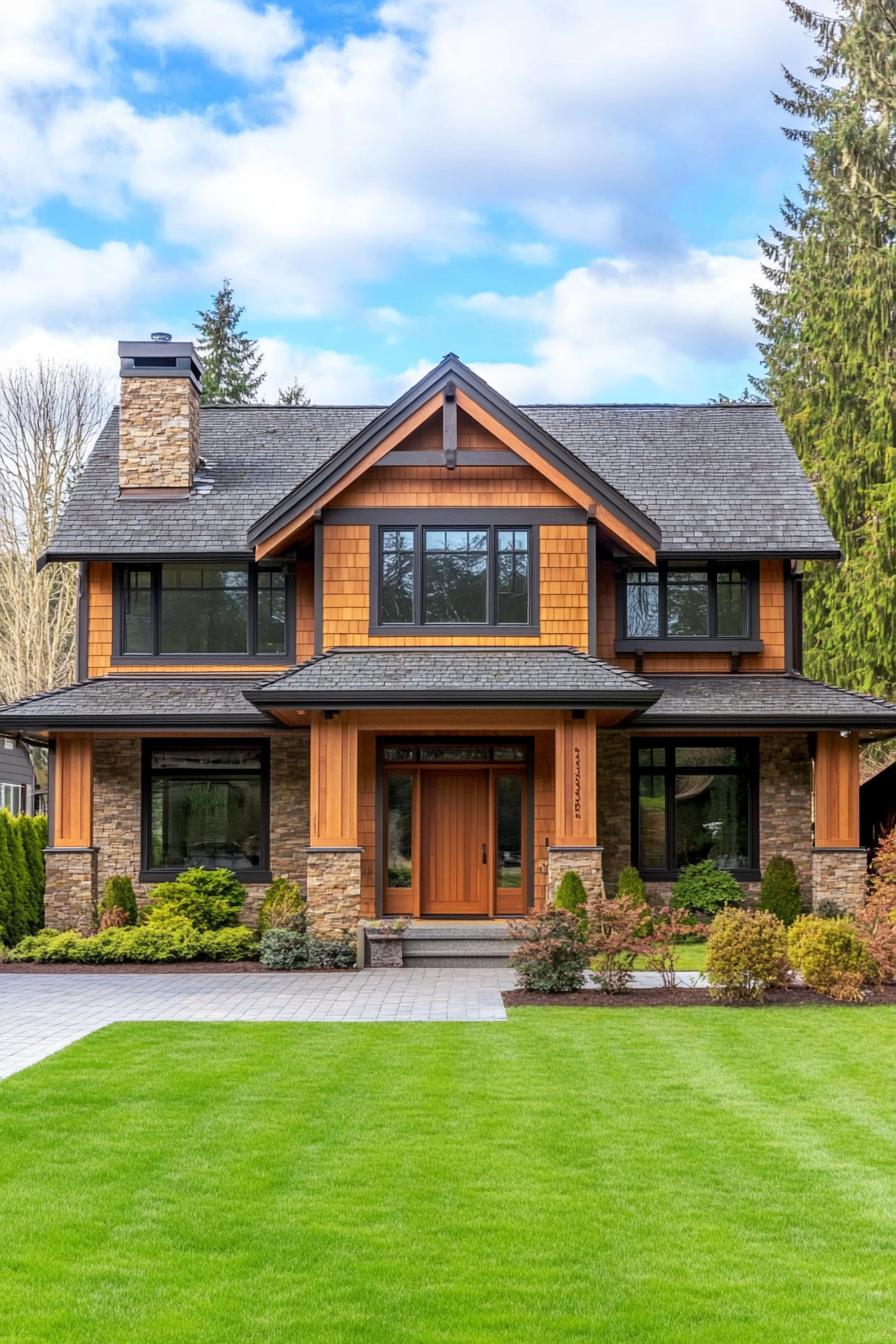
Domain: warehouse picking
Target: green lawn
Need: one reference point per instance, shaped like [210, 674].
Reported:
[611, 1175]
[691, 957]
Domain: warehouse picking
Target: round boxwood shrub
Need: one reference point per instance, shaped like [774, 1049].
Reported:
[284, 949]
[780, 891]
[571, 896]
[746, 955]
[333, 953]
[830, 956]
[705, 888]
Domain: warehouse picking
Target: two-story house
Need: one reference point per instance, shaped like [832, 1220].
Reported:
[425, 658]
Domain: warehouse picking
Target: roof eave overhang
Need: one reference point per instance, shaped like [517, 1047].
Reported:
[299, 501]
[790, 553]
[338, 699]
[156, 723]
[804, 722]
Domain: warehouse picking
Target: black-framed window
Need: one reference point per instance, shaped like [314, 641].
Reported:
[432, 576]
[688, 601]
[693, 800]
[203, 609]
[206, 804]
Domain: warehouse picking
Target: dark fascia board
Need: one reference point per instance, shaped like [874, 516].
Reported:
[450, 370]
[48, 722]
[791, 553]
[143, 556]
[801, 721]
[440, 699]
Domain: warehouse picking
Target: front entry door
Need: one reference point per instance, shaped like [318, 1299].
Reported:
[455, 868]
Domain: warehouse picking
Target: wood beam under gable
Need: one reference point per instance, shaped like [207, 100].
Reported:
[449, 426]
[279, 540]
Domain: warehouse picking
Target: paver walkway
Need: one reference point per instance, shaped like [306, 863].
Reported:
[40, 1014]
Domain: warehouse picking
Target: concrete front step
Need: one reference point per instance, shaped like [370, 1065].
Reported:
[450, 944]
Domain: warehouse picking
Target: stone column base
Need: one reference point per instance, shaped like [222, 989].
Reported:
[586, 860]
[70, 894]
[841, 876]
[333, 888]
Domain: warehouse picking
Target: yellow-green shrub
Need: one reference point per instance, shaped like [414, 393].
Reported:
[746, 955]
[830, 956]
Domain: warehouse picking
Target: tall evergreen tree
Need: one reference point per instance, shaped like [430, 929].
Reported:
[827, 323]
[293, 394]
[231, 361]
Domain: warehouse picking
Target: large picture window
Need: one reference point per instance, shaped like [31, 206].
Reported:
[688, 602]
[205, 806]
[439, 576]
[693, 801]
[203, 609]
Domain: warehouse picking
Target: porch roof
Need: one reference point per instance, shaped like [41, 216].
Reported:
[147, 701]
[463, 676]
[770, 701]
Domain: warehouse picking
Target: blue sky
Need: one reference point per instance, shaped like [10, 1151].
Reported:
[567, 193]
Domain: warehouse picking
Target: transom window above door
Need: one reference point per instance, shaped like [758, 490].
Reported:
[478, 575]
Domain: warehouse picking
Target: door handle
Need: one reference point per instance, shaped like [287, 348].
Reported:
[484, 853]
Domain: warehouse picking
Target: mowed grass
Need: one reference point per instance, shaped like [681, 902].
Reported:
[689, 957]
[595, 1175]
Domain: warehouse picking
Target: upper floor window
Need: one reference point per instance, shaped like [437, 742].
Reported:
[450, 576]
[683, 600]
[203, 609]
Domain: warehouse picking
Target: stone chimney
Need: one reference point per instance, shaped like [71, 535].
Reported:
[158, 426]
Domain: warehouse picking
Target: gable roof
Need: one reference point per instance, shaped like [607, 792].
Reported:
[416, 405]
[720, 480]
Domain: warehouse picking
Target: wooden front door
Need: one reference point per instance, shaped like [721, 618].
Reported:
[455, 861]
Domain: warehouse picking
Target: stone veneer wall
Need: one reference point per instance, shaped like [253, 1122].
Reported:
[158, 433]
[116, 811]
[841, 876]
[334, 891]
[785, 806]
[70, 895]
[586, 861]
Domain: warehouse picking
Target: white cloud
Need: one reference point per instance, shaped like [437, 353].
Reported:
[232, 35]
[45, 280]
[531, 254]
[393, 146]
[672, 324]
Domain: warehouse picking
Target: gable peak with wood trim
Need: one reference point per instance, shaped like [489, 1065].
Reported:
[448, 422]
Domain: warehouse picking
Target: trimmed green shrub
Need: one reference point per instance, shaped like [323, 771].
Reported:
[140, 942]
[830, 956]
[630, 886]
[746, 955]
[211, 898]
[780, 891]
[571, 896]
[332, 953]
[284, 949]
[118, 894]
[22, 951]
[33, 833]
[702, 887]
[552, 955]
[282, 907]
[232, 944]
[17, 907]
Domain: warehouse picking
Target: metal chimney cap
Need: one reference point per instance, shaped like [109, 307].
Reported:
[163, 337]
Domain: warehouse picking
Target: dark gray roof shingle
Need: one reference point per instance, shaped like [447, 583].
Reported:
[456, 675]
[141, 701]
[714, 478]
[741, 700]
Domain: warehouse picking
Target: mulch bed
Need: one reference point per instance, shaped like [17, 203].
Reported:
[159, 968]
[683, 998]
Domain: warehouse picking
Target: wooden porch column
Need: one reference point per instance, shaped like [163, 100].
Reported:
[72, 803]
[837, 791]
[70, 895]
[839, 864]
[575, 755]
[334, 780]
[575, 846]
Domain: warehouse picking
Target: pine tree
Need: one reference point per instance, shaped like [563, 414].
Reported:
[231, 362]
[828, 332]
[293, 394]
